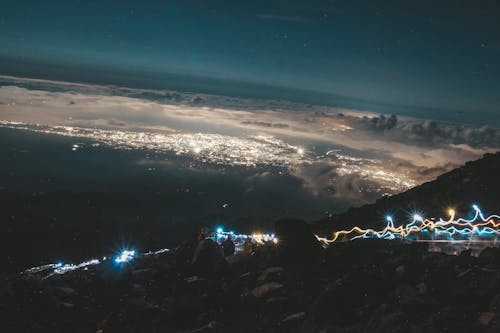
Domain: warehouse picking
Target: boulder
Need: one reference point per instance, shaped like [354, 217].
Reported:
[266, 289]
[271, 273]
[297, 242]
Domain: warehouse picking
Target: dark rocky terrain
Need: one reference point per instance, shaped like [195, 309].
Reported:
[294, 286]
[359, 286]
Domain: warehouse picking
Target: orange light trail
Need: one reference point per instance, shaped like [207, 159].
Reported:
[476, 226]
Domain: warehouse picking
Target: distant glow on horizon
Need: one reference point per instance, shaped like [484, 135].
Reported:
[224, 150]
[251, 151]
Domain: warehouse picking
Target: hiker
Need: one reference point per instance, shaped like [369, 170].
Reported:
[228, 246]
[208, 256]
[247, 246]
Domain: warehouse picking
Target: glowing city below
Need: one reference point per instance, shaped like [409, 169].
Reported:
[451, 230]
[224, 150]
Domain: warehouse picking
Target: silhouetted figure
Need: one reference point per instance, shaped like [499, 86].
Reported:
[208, 257]
[248, 246]
[184, 253]
[298, 244]
[228, 247]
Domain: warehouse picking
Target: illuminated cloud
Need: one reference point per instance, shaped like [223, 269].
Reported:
[334, 152]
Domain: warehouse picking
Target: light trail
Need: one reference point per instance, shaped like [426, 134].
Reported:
[122, 258]
[126, 256]
[452, 229]
[478, 229]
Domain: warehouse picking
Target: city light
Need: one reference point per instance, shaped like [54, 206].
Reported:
[224, 150]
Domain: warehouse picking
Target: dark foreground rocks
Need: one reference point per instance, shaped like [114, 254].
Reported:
[360, 286]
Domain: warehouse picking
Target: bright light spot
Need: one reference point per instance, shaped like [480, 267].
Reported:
[220, 230]
[300, 151]
[475, 207]
[125, 256]
[196, 150]
[451, 212]
[275, 240]
[388, 218]
[417, 217]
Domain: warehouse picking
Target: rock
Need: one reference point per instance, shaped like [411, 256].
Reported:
[275, 300]
[293, 323]
[490, 255]
[208, 258]
[269, 273]
[212, 326]
[404, 295]
[474, 285]
[297, 244]
[275, 307]
[464, 273]
[66, 290]
[238, 258]
[67, 305]
[138, 288]
[202, 317]
[495, 303]
[465, 254]
[141, 303]
[294, 317]
[145, 272]
[421, 288]
[193, 279]
[396, 322]
[400, 270]
[333, 306]
[486, 317]
[266, 289]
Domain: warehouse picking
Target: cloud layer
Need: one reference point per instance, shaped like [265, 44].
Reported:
[347, 154]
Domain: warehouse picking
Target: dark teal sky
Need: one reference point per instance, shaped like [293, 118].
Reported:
[429, 54]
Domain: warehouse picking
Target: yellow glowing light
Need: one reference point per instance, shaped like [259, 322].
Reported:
[451, 212]
[413, 228]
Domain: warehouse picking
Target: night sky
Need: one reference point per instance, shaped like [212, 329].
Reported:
[143, 120]
[135, 136]
[424, 58]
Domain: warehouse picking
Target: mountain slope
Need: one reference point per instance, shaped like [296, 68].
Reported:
[477, 182]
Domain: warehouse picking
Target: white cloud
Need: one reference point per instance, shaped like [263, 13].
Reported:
[417, 149]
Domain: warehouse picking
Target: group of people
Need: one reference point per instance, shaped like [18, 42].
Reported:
[203, 253]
